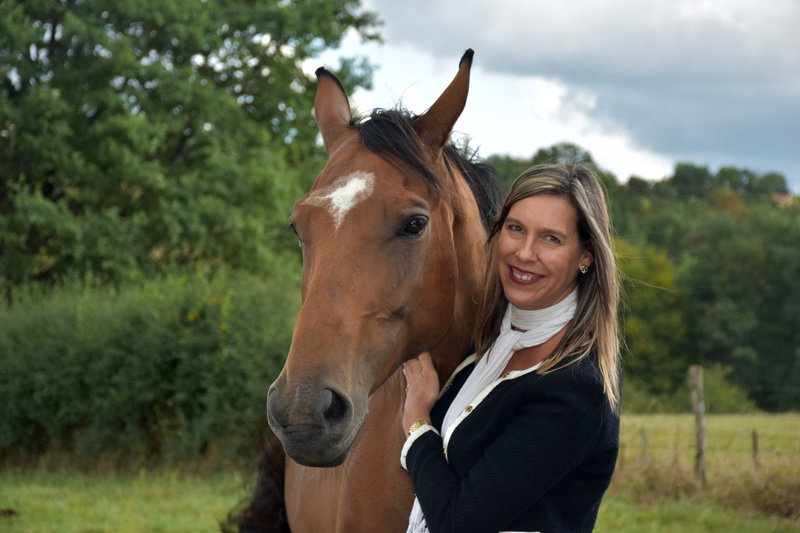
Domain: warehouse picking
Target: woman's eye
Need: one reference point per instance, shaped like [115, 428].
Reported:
[553, 239]
[514, 228]
[415, 227]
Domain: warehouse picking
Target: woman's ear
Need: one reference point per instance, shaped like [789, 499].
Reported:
[587, 258]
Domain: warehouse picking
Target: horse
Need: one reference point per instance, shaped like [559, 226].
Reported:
[393, 235]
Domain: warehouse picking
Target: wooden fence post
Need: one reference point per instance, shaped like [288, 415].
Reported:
[644, 443]
[700, 426]
[756, 459]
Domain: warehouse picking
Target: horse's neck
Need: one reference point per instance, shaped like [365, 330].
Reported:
[454, 347]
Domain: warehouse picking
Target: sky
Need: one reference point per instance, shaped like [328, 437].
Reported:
[641, 85]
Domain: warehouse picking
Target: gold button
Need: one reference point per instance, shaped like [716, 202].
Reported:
[468, 409]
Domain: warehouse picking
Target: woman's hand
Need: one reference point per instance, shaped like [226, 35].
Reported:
[422, 391]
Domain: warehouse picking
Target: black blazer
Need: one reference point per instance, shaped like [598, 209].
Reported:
[537, 454]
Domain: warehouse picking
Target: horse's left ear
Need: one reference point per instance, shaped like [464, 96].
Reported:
[331, 109]
[435, 125]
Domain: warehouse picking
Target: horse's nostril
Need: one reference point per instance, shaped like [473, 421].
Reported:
[336, 408]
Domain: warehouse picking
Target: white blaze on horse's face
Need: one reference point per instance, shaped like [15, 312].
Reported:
[345, 193]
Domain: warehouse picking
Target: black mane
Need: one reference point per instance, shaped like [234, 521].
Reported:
[389, 134]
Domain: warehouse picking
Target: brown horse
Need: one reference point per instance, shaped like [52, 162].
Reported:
[393, 236]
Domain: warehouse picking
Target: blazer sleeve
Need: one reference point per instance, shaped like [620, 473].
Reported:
[554, 430]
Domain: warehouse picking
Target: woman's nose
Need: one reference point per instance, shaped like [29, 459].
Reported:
[527, 250]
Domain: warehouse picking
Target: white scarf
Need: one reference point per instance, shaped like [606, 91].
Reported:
[538, 326]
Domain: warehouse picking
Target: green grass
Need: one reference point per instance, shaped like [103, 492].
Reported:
[653, 491]
[730, 437]
[78, 503]
[68, 503]
[620, 515]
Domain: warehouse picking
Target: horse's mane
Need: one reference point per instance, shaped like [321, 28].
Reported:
[389, 134]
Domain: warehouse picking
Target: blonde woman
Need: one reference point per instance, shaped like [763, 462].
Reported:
[525, 435]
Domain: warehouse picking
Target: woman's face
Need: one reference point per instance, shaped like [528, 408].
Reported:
[539, 251]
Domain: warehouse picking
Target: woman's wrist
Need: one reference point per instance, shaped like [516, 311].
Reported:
[416, 425]
[414, 415]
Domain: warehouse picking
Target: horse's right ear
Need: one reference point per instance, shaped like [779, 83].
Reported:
[435, 125]
[331, 109]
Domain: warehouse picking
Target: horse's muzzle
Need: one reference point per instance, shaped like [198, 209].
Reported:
[317, 427]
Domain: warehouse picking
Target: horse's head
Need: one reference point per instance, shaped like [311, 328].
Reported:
[392, 245]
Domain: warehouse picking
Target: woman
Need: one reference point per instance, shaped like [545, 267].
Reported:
[525, 435]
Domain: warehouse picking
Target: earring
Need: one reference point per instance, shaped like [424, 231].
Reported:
[584, 269]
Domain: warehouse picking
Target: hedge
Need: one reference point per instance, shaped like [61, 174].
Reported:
[157, 372]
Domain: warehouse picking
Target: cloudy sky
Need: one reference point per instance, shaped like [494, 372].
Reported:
[640, 84]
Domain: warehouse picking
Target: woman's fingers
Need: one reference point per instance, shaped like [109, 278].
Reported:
[422, 383]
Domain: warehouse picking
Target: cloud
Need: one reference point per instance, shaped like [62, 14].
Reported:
[656, 43]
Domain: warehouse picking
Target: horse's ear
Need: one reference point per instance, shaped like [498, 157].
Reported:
[331, 109]
[435, 125]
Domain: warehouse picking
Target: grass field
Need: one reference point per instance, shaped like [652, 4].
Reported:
[657, 462]
[619, 514]
[729, 437]
[166, 503]
[654, 491]
[81, 503]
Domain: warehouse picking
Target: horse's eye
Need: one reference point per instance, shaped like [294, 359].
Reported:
[299, 240]
[415, 226]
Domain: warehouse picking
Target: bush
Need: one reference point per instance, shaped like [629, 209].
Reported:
[722, 397]
[160, 372]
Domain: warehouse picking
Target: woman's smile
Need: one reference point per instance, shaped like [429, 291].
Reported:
[522, 276]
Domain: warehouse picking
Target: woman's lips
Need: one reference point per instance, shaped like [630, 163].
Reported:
[523, 276]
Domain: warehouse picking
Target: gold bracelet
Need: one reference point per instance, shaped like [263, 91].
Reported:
[415, 426]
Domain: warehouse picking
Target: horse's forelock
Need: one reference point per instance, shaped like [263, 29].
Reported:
[389, 134]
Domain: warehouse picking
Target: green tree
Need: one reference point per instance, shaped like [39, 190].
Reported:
[652, 319]
[744, 312]
[770, 183]
[137, 134]
[733, 179]
[508, 168]
[564, 153]
[749, 184]
[639, 187]
[691, 182]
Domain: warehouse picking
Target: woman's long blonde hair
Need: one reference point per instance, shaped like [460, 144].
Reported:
[594, 328]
